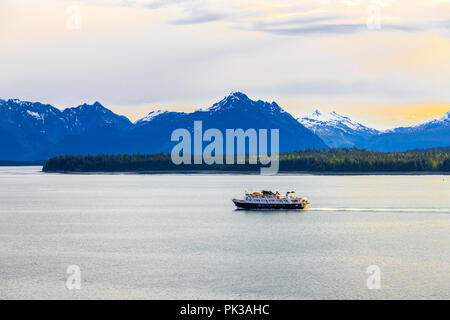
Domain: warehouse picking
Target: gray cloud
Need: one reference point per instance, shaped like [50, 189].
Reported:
[196, 18]
[313, 29]
[443, 27]
[445, 24]
[298, 21]
[319, 25]
[404, 28]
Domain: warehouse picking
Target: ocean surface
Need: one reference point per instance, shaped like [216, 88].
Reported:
[179, 237]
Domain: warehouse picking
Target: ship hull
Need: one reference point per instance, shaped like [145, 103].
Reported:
[270, 206]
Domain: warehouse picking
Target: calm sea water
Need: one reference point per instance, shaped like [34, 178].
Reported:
[180, 237]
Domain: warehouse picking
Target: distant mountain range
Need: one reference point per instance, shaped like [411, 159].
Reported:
[31, 131]
[435, 133]
[36, 131]
[341, 132]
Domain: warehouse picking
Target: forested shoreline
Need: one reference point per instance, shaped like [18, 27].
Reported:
[331, 160]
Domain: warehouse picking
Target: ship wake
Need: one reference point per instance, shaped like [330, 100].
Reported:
[427, 210]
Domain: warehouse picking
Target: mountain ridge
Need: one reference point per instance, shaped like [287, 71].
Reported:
[234, 111]
[339, 131]
[33, 130]
[30, 130]
[93, 129]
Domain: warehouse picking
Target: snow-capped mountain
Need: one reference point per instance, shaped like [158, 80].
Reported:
[27, 118]
[35, 131]
[234, 111]
[446, 117]
[444, 121]
[240, 100]
[151, 116]
[234, 101]
[31, 129]
[338, 131]
[434, 133]
[86, 118]
[28, 128]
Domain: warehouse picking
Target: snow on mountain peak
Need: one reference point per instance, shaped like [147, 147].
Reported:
[237, 95]
[319, 120]
[327, 117]
[444, 120]
[239, 99]
[35, 115]
[19, 102]
[227, 102]
[152, 115]
[446, 116]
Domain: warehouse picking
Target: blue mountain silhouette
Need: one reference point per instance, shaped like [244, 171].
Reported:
[38, 131]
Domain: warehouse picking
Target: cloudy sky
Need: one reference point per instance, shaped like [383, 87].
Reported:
[384, 62]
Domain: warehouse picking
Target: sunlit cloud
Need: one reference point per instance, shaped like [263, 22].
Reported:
[265, 15]
[182, 55]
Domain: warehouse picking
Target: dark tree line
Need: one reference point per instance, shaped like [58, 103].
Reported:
[331, 160]
[355, 160]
